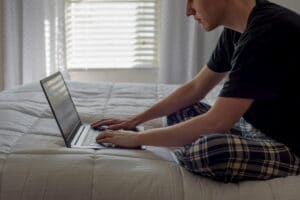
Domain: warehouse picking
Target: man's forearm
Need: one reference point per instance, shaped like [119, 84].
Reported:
[180, 98]
[180, 134]
[219, 119]
[184, 96]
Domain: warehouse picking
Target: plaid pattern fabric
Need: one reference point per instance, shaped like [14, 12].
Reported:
[243, 153]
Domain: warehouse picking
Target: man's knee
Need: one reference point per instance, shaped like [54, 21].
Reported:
[208, 156]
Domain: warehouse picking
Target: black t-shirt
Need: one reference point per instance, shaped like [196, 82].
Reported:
[262, 63]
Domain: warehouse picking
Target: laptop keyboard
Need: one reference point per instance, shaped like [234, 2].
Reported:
[90, 138]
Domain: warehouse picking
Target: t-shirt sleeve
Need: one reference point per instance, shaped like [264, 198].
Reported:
[221, 56]
[253, 75]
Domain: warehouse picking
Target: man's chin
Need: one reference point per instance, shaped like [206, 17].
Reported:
[208, 28]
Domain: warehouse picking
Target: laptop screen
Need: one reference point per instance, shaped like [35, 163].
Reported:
[61, 105]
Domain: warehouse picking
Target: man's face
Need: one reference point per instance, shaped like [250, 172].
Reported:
[208, 13]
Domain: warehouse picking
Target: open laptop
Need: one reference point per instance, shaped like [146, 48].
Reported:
[74, 132]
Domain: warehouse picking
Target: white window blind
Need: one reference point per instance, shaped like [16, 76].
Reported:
[111, 33]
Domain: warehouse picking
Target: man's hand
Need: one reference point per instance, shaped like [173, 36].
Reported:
[115, 124]
[127, 139]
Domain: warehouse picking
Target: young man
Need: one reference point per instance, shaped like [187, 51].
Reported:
[250, 132]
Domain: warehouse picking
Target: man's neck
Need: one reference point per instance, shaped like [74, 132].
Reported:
[237, 14]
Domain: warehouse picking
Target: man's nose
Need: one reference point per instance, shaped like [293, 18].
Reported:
[190, 11]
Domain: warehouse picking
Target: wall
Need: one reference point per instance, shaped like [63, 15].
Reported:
[1, 45]
[292, 4]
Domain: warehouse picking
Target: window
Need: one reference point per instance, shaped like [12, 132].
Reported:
[110, 34]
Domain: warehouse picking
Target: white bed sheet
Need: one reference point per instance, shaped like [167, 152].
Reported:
[34, 164]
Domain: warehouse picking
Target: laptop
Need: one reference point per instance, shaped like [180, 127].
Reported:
[75, 133]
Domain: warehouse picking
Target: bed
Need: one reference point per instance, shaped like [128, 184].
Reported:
[35, 164]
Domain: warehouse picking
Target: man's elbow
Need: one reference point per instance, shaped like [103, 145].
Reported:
[217, 125]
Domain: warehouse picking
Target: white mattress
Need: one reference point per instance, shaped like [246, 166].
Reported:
[34, 164]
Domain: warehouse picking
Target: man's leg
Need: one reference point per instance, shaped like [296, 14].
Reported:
[243, 154]
[187, 113]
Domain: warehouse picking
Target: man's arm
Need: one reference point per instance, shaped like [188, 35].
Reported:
[219, 119]
[185, 95]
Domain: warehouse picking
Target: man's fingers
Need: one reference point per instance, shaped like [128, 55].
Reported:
[100, 121]
[106, 122]
[106, 134]
[116, 127]
[105, 140]
[105, 137]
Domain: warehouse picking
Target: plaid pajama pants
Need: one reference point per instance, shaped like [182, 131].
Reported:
[243, 153]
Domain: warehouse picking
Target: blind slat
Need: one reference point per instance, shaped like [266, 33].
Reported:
[111, 33]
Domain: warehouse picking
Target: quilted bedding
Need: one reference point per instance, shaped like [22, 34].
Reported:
[34, 163]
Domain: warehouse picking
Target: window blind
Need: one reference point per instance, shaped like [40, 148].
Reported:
[111, 33]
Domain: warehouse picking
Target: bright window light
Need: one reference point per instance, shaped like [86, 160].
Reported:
[111, 33]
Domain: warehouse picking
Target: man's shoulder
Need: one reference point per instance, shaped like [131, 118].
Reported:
[271, 17]
[272, 24]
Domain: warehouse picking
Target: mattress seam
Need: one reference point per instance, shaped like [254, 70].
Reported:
[273, 195]
[108, 98]
[182, 183]
[93, 176]
[2, 172]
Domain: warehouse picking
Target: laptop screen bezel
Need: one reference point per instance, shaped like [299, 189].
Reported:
[69, 139]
